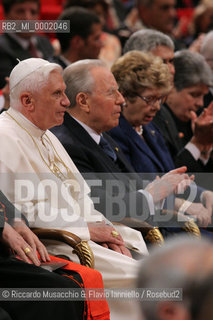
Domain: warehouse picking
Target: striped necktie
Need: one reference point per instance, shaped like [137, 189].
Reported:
[104, 144]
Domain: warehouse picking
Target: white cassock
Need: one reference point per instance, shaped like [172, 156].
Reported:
[39, 177]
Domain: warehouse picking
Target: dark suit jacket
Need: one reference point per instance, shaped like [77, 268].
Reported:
[166, 124]
[118, 178]
[181, 156]
[10, 50]
[145, 155]
[7, 212]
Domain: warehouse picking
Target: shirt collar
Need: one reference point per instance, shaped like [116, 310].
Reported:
[24, 43]
[94, 135]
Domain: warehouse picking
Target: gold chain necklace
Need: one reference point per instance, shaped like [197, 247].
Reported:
[55, 170]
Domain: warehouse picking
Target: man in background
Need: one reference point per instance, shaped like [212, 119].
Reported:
[21, 45]
[84, 39]
[157, 14]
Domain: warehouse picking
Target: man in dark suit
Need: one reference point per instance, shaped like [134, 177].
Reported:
[95, 108]
[176, 141]
[175, 119]
[84, 39]
[21, 46]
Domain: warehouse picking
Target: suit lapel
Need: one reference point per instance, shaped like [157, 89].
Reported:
[172, 132]
[126, 166]
[154, 150]
[140, 143]
[82, 135]
[107, 164]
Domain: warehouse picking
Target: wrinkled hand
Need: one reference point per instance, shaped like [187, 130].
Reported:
[175, 181]
[102, 233]
[115, 247]
[31, 239]
[207, 200]
[16, 242]
[198, 211]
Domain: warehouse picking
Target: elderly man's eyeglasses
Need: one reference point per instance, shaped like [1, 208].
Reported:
[152, 100]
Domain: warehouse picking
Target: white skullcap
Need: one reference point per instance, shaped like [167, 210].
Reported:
[25, 67]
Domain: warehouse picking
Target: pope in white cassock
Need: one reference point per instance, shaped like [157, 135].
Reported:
[39, 177]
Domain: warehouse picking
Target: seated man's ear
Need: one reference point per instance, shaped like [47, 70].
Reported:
[171, 310]
[27, 100]
[82, 100]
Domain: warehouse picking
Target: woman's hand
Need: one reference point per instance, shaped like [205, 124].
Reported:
[16, 242]
[31, 239]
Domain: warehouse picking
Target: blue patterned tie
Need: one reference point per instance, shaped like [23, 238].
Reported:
[104, 144]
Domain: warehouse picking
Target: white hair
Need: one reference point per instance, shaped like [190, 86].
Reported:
[191, 69]
[147, 40]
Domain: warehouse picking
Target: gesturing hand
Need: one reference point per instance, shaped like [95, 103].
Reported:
[172, 182]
